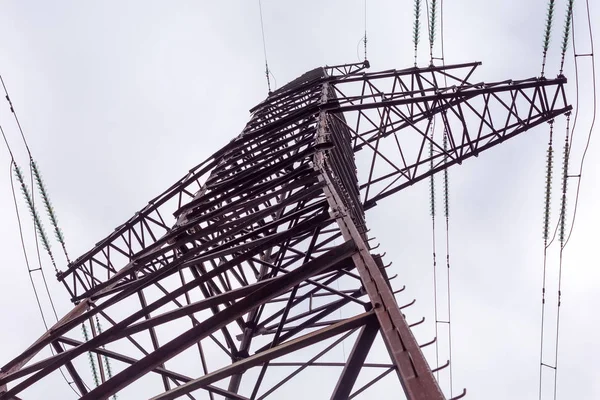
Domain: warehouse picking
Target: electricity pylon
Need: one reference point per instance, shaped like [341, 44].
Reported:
[242, 276]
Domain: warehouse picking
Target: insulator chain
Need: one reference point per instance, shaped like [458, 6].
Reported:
[431, 177]
[566, 34]
[49, 209]
[446, 180]
[86, 336]
[34, 214]
[565, 177]
[547, 32]
[417, 27]
[432, 27]
[105, 358]
[548, 189]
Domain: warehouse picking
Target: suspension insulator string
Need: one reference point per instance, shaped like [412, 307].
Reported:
[35, 215]
[548, 188]
[91, 360]
[546, 226]
[417, 27]
[565, 177]
[30, 199]
[105, 358]
[432, 28]
[35, 173]
[49, 209]
[29, 270]
[566, 34]
[547, 32]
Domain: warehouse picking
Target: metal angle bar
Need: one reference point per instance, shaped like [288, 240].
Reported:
[152, 332]
[446, 104]
[201, 169]
[74, 318]
[464, 93]
[268, 328]
[72, 371]
[412, 367]
[177, 378]
[21, 360]
[329, 364]
[215, 309]
[331, 307]
[274, 352]
[304, 365]
[355, 362]
[298, 300]
[248, 335]
[235, 227]
[372, 382]
[408, 71]
[214, 253]
[198, 345]
[552, 114]
[214, 322]
[246, 200]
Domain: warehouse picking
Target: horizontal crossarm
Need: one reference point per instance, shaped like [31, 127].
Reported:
[398, 115]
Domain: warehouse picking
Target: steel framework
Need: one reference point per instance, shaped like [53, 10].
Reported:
[217, 283]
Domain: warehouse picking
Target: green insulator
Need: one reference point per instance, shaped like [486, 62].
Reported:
[548, 191]
[432, 196]
[431, 179]
[41, 232]
[46, 199]
[563, 220]
[565, 177]
[548, 29]
[91, 357]
[432, 22]
[565, 166]
[446, 183]
[417, 24]
[105, 358]
[567, 30]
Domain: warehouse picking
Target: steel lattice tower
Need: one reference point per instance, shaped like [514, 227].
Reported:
[239, 270]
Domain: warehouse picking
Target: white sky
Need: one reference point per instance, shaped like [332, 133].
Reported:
[119, 99]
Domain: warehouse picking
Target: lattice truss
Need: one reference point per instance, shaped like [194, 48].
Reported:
[253, 272]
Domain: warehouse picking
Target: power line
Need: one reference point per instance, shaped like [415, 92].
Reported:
[546, 223]
[30, 199]
[569, 137]
[594, 108]
[565, 177]
[29, 270]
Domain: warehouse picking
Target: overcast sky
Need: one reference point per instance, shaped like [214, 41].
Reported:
[119, 99]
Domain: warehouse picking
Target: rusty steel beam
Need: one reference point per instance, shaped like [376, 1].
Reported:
[356, 361]
[259, 358]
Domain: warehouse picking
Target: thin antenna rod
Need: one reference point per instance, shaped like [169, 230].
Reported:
[262, 28]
